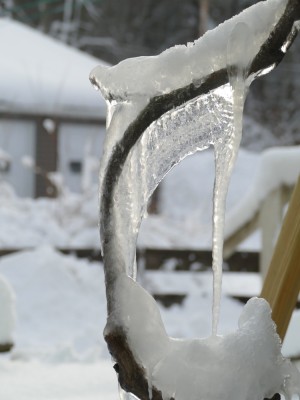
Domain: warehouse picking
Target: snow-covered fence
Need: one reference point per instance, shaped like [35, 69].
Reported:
[263, 207]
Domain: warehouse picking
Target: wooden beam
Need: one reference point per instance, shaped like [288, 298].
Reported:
[237, 237]
[31, 116]
[282, 284]
[270, 218]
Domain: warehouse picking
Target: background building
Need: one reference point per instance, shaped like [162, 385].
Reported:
[51, 118]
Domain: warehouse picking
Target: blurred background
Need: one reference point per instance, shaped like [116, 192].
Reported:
[110, 31]
[52, 130]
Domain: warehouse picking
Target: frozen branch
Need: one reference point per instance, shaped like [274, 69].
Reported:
[270, 55]
[132, 376]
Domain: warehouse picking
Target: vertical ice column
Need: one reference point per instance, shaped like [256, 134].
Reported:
[238, 63]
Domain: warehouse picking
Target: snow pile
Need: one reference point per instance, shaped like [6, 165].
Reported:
[68, 221]
[7, 313]
[60, 304]
[65, 296]
[245, 364]
[59, 350]
[34, 380]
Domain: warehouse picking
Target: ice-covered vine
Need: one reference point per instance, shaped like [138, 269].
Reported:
[161, 109]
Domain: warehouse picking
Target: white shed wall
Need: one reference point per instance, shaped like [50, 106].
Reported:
[75, 142]
[17, 138]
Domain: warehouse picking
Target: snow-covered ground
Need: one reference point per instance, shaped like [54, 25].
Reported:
[184, 220]
[59, 351]
[60, 306]
[185, 209]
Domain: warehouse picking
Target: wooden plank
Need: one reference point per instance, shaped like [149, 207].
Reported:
[282, 284]
[197, 260]
[182, 259]
[5, 348]
[262, 219]
[232, 241]
[86, 120]
[270, 218]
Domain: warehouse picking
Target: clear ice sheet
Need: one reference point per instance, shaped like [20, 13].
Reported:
[214, 119]
[178, 133]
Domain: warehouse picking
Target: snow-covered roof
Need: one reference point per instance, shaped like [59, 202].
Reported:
[41, 75]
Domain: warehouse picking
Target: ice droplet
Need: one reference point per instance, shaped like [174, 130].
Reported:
[126, 395]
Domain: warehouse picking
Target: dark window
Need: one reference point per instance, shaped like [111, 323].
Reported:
[75, 166]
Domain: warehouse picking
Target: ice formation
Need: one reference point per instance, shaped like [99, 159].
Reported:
[160, 110]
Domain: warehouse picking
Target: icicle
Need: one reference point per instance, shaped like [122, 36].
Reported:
[150, 387]
[122, 394]
[125, 395]
[226, 151]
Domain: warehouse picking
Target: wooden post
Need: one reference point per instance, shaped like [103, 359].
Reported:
[270, 217]
[282, 284]
[231, 242]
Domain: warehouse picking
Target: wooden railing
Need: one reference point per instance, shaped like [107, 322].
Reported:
[282, 283]
[268, 219]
